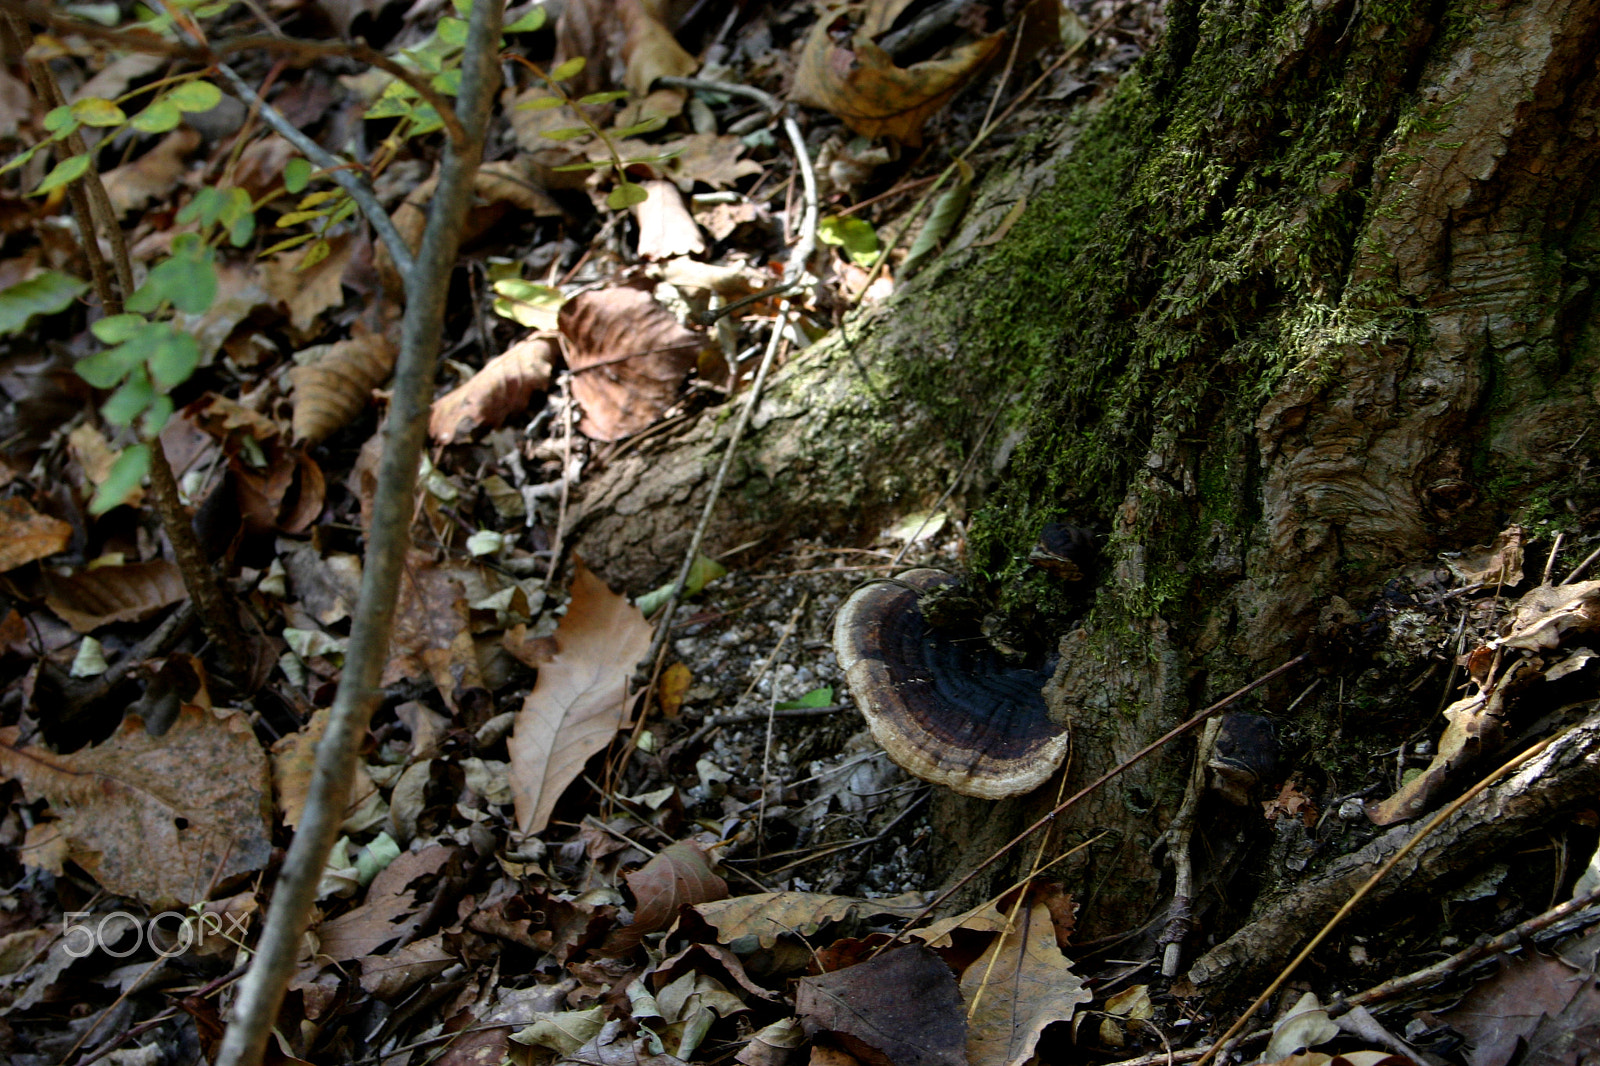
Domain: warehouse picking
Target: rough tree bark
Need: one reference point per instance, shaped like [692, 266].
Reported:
[1310, 299]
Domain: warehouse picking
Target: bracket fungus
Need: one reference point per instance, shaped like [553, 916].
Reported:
[948, 711]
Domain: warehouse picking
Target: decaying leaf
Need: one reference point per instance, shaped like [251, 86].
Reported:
[26, 535]
[902, 1005]
[580, 700]
[712, 158]
[153, 175]
[503, 388]
[1530, 1002]
[160, 819]
[629, 358]
[309, 292]
[1544, 617]
[678, 876]
[1499, 563]
[1026, 984]
[391, 909]
[863, 86]
[286, 496]
[770, 915]
[335, 383]
[90, 599]
[293, 759]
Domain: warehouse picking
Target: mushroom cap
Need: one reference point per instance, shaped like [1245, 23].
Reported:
[947, 711]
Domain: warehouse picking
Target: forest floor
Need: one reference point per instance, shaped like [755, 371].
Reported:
[534, 868]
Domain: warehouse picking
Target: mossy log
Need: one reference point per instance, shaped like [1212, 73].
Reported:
[1310, 299]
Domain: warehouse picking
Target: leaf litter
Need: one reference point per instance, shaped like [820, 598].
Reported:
[723, 888]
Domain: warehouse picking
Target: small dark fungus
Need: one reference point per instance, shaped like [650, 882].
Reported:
[946, 709]
[1063, 550]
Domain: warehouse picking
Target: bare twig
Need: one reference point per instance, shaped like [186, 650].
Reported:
[1577, 571]
[261, 992]
[1178, 837]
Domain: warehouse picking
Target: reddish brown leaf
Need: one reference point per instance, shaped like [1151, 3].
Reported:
[581, 698]
[902, 1007]
[1026, 983]
[336, 385]
[629, 358]
[679, 876]
[90, 599]
[390, 911]
[26, 535]
[503, 388]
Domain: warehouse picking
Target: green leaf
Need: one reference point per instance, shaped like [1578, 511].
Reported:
[60, 119]
[570, 133]
[425, 120]
[241, 230]
[187, 279]
[526, 303]
[130, 400]
[159, 117]
[294, 218]
[107, 14]
[947, 211]
[605, 97]
[46, 293]
[855, 235]
[94, 111]
[626, 195]
[238, 215]
[317, 199]
[195, 96]
[568, 69]
[126, 474]
[817, 697]
[540, 103]
[448, 83]
[115, 329]
[533, 20]
[463, 7]
[648, 125]
[388, 107]
[452, 32]
[587, 164]
[107, 369]
[317, 254]
[702, 572]
[69, 169]
[296, 174]
[19, 160]
[174, 359]
[204, 208]
[156, 416]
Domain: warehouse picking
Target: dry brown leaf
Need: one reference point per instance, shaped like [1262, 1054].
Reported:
[26, 535]
[154, 175]
[902, 1006]
[874, 97]
[528, 650]
[504, 387]
[225, 420]
[308, 293]
[16, 104]
[1502, 1015]
[90, 599]
[115, 77]
[160, 819]
[1026, 984]
[666, 228]
[649, 49]
[293, 759]
[1542, 618]
[770, 915]
[709, 157]
[260, 167]
[397, 972]
[629, 358]
[343, 13]
[678, 876]
[431, 634]
[287, 496]
[1499, 563]
[390, 911]
[336, 384]
[96, 457]
[515, 182]
[675, 682]
[581, 698]
[529, 126]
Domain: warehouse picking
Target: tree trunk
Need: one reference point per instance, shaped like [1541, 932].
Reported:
[1309, 300]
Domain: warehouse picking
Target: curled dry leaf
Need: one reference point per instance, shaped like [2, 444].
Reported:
[157, 818]
[335, 384]
[153, 175]
[293, 759]
[287, 496]
[666, 228]
[629, 357]
[93, 598]
[709, 157]
[26, 535]
[863, 86]
[391, 910]
[580, 700]
[504, 387]
[649, 49]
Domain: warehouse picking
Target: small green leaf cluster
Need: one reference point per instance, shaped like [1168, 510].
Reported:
[187, 94]
[524, 302]
[626, 193]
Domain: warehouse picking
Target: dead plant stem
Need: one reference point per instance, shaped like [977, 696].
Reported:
[262, 990]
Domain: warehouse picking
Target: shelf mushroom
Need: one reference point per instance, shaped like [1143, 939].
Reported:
[951, 712]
